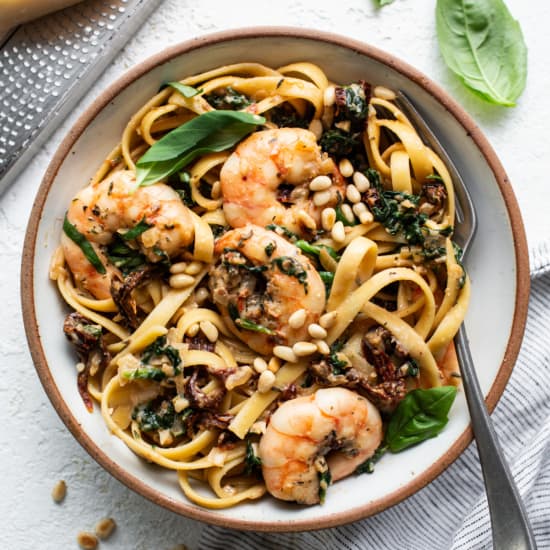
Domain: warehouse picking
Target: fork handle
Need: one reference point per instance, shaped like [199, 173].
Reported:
[510, 525]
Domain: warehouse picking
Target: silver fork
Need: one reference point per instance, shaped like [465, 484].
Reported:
[510, 525]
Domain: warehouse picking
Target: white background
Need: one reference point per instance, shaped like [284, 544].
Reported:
[35, 448]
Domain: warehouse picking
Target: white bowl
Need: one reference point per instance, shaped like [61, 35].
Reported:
[497, 264]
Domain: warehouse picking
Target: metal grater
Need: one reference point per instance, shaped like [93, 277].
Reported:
[46, 66]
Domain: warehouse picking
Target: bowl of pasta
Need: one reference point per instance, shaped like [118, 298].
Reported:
[249, 250]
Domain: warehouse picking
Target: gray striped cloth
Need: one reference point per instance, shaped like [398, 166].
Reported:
[452, 511]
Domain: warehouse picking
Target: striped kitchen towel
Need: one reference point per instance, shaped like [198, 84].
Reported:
[452, 511]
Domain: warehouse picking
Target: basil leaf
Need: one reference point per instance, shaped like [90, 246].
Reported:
[145, 373]
[87, 249]
[183, 89]
[210, 132]
[483, 45]
[383, 2]
[420, 416]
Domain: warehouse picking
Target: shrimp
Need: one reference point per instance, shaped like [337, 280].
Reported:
[259, 281]
[266, 180]
[302, 432]
[99, 210]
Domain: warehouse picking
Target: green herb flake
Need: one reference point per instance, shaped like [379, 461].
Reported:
[325, 479]
[246, 324]
[293, 268]
[87, 249]
[252, 461]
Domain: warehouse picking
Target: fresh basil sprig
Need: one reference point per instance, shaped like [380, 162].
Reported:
[421, 415]
[210, 132]
[87, 249]
[483, 45]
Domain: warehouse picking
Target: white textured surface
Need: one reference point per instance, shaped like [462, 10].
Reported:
[35, 448]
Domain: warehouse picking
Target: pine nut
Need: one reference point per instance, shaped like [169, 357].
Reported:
[216, 190]
[87, 541]
[201, 295]
[266, 380]
[285, 353]
[359, 208]
[328, 319]
[193, 330]
[346, 168]
[209, 329]
[274, 364]
[323, 347]
[259, 365]
[301, 349]
[352, 194]
[361, 181]
[297, 319]
[329, 96]
[347, 212]
[178, 267]
[320, 198]
[328, 217]
[383, 93]
[317, 331]
[338, 232]
[306, 220]
[105, 527]
[59, 491]
[366, 217]
[181, 280]
[320, 183]
[316, 127]
[194, 268]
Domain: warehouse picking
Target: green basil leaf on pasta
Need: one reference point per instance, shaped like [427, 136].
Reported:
[483, 45]
[87, 249]
[184, 90]
[383, 2]
[421, 415]
[210, 132]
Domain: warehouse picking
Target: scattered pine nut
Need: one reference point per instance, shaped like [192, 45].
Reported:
[307, 221]
[59, 491]
[201, 295]
[87, 540]
[328, 319]
[352, 194]
[317, 331]
[361, 181]
[320, 198]
[323, 347]
[347, 212]
[320, 183]
[216, 190]
[181, 280]
[259, 365]
[105, 527]
[266, 381]
[285, 353]
[366, 217]
[338, 232]
[297, 319]
[346, 168]
[238, 378]
[178, 267]
[194, 268]
[359, 208]
[328, 218]
[302, 349]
